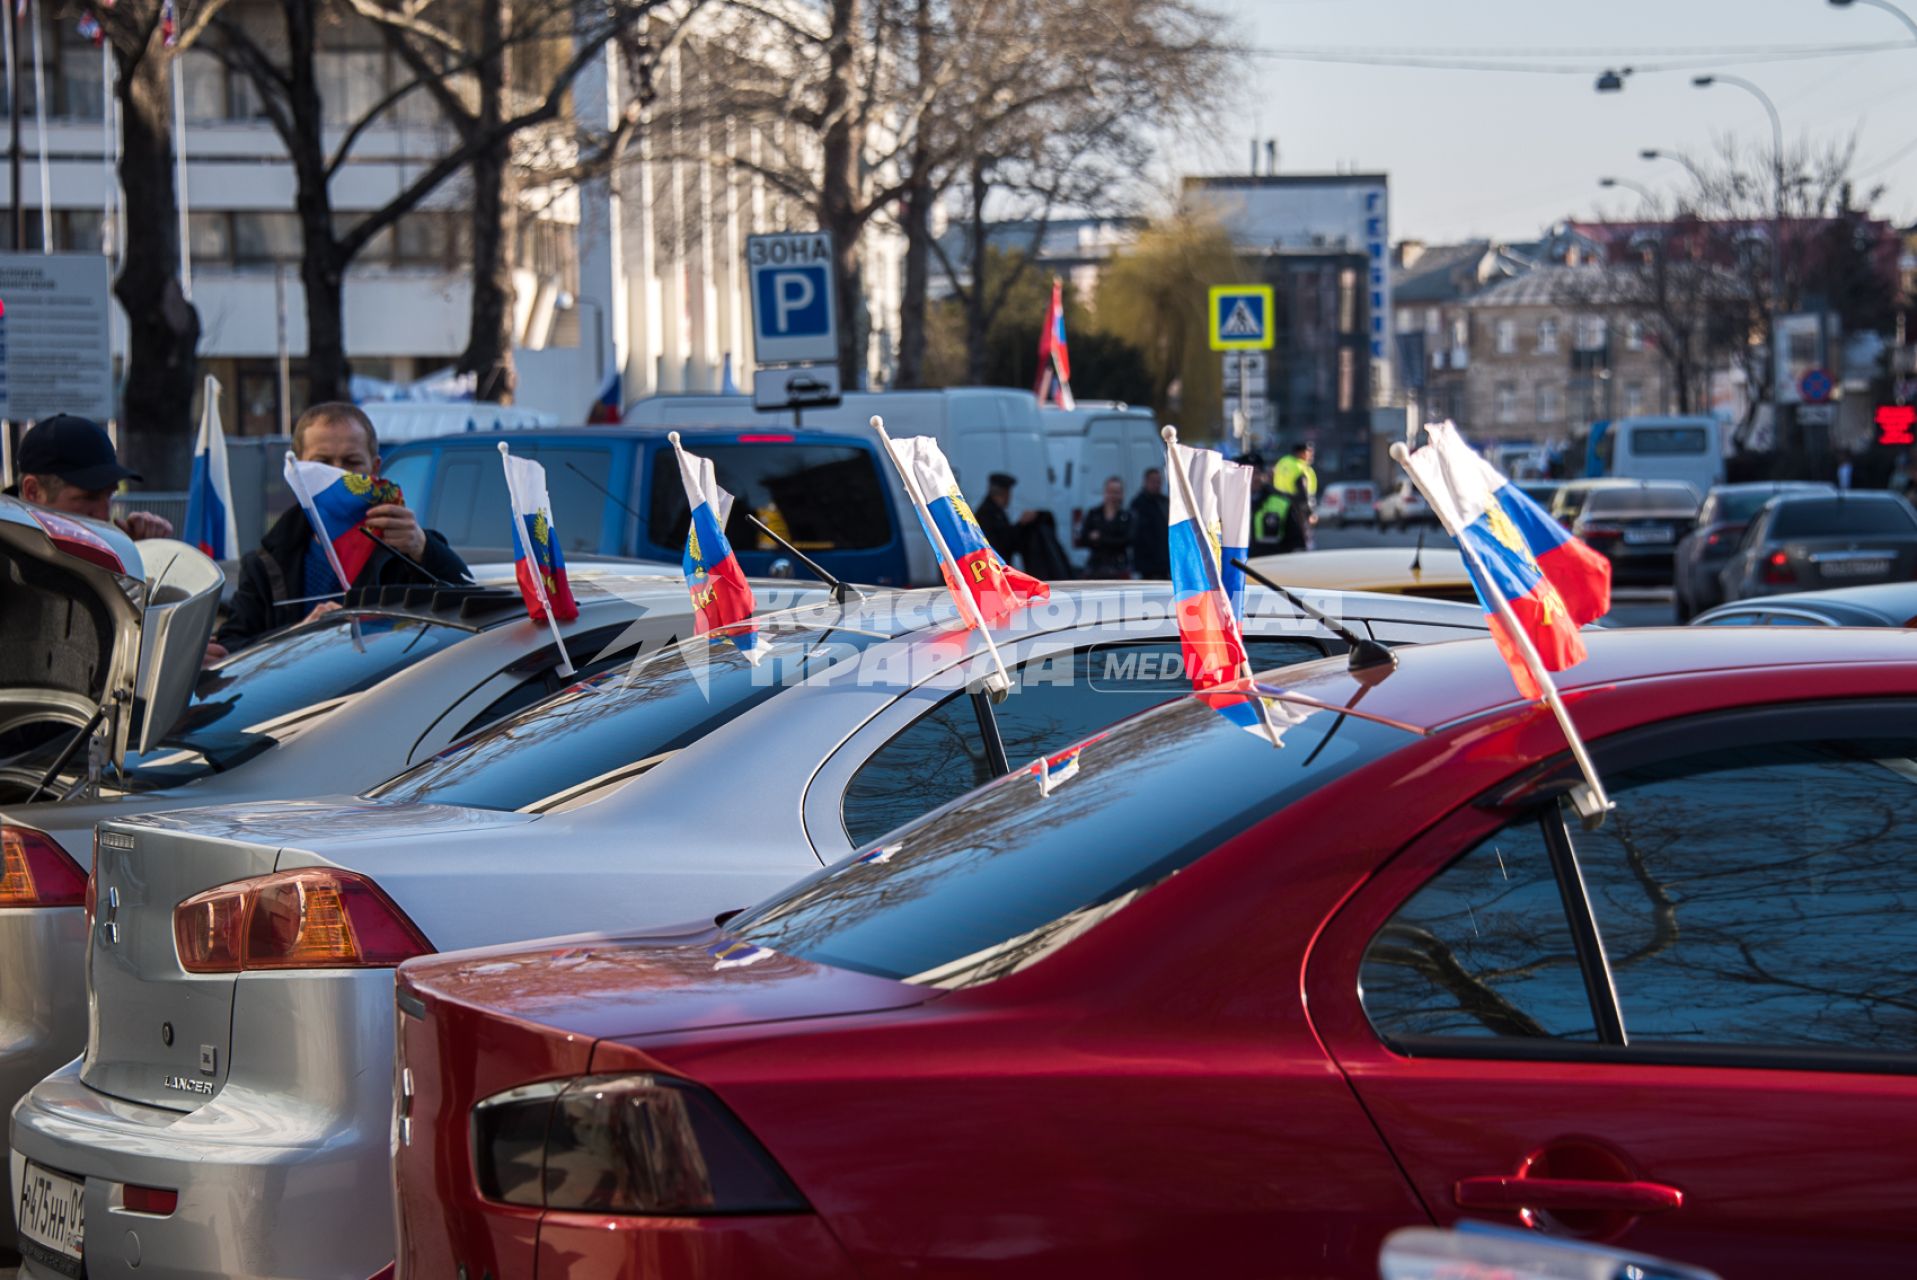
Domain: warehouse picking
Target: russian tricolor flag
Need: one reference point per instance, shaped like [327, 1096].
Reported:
[974, 567]
[721, 595]
[1055, 354]
[1553, 583]
[209, 499]
[538, 562]
[336, 503]
[605, 406]
[1059, 768]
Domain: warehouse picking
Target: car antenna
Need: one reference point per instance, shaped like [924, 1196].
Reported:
[580, 472]
[840, 591]
[1365, 654]
[1417, 557]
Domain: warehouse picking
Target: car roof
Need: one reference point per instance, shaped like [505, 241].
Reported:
[1442, 683]
[1775, 486]
[1894, 601]
[1368, 568]
[691, 430]
[1833, 495]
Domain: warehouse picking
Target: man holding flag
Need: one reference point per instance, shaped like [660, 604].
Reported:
[371, 539]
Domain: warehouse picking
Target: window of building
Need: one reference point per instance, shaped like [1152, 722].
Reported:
[1348, 301]
[1507, 402]
[1461, 332]
[1633, 399]
[1590, 333]
[1548, 336]
[80, 86]
[210, 236]
[1634, 335]
[1408, 320]
[425, 239]
[203, 86]
[351, 83]
[1347, 379]
[1433, 321]
[1507, 337]
[266, 237]
[1550, 402]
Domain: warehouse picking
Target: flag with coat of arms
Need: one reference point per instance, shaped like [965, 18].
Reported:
[336, 503]
[972, 565]
[538, 562]
[721, 596]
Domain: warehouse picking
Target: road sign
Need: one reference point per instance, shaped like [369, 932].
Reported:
[794, 320]
[1815, 386]
[53, 336]
[1253, 365]
[1241, 317]
[802, 386]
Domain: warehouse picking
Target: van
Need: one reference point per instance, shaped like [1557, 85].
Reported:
[1087, 444]
[411, 420]
[1659, 448]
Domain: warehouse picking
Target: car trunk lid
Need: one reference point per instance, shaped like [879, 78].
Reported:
[1852, 560]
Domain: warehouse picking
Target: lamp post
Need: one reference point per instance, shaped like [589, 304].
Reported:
[1885, 5]
[1777, 220]
[1644, 193]
[1653, 153]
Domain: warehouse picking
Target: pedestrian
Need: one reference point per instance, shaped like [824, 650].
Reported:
[1846, 469]
[1297, 485]
[1151, 521]
[1268, 508]
[1107, 532]
[68, 464]
[995, 517]
[278, 582]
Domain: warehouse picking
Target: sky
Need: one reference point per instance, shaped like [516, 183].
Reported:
[1503, 153]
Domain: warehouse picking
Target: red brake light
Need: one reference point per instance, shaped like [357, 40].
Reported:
[36, 872]
[75, 539]
[1778, 569]
[1599, 532]
[1724, 533]
[309, 919]
[765, 439]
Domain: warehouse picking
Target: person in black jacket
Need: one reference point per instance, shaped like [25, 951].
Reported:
[1106, 531]
[279, 581]
[1151, 518]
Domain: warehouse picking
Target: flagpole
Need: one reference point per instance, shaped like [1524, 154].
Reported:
[40, 134]
[179, 177]
[538, 571]
[1214, 575]
[1000, 681]
[1591, 801]
[305, 500]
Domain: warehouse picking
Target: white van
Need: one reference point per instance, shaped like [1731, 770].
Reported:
[1665, 448]
[1089, 443]
[981, 430]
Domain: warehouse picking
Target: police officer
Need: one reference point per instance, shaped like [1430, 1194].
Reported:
[1286, 514]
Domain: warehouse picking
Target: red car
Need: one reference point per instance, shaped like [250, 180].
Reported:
[1207, 1004]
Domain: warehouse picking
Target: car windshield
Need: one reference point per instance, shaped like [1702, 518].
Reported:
[621, 717]
[1834, 517]
[1662, 498]
[239, 707]
[1000, 877]
[1737, 506]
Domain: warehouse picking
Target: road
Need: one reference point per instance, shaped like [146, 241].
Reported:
[1630, 606]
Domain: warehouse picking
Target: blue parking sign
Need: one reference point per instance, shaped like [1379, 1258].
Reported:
[794, 320]
[792, 302]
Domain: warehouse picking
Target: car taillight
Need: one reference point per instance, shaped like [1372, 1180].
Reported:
[309, 919]
[1777, 569]
[1599, 532]
[638, 1144]
[1725, 534]
[36, 872]
[78, 541]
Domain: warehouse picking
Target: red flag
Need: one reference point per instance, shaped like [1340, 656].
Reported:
[1054, 354]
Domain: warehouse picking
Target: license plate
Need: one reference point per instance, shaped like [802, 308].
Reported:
[1854, 568]
[1648, 533]
[51, 1215]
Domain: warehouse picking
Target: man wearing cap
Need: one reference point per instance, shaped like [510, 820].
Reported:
[995, 520]
[67, 464]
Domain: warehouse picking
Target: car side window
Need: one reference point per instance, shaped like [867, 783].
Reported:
[1057, 701]
[1483, 951]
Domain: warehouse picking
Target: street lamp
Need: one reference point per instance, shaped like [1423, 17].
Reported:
[1652, 153]
[1612, 81]
[1885, 5]
[1777, 213]
[1648, 196]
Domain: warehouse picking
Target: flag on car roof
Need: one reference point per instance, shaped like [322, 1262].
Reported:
[209, 500]
[1059, 768]
[605, 406]
[538, 562]
[974, 567]
[721, 596]
[1054, 354]
[336, 503]
[1554, 583]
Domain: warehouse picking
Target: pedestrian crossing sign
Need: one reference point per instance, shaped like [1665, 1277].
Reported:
[1241, 317]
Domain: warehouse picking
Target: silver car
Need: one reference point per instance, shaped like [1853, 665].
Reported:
[231, 1113]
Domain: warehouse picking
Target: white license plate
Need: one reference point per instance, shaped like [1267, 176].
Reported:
[1854, 568]
[51, 1215]
[1650, 533]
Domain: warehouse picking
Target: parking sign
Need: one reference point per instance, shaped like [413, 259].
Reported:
[794, 320]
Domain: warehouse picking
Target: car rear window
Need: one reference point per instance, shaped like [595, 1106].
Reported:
[1830, 517]
[469, 494]
[1655, 441]
[1663, 498]
[655, 704]
[998, 878]
[820, 497]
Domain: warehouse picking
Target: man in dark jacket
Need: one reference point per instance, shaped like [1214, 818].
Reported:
[1151, 518]
[995, 519]
[1107, 532]
[289, 578]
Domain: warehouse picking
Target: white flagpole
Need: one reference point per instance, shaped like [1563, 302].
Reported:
[40, 132]
[996, 682]
[179, 176]
[1214, 575]
[1592, 806]
[514, 501]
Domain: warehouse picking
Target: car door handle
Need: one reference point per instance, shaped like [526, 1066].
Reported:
[1590, 1195]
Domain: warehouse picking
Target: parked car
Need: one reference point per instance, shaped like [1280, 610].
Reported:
[1348, 502]
[1569, 498]
[1888, 604]
[1433, 573]
[334, 705]
[1702, 552]
[1637, 528]
[1403, 506]
[1541, 492]
[692, 782]
[1804, 541]
[1206, 1001]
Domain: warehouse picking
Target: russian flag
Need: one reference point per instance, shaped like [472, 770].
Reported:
[1553, 583]
[209, 499]
[538, 562]
[1054, 353]
[721, 595]
[336, 503]
[975, 567]
[605, 406]
[1055, 770]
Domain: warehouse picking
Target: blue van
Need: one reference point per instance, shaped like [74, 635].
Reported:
[616, 491]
